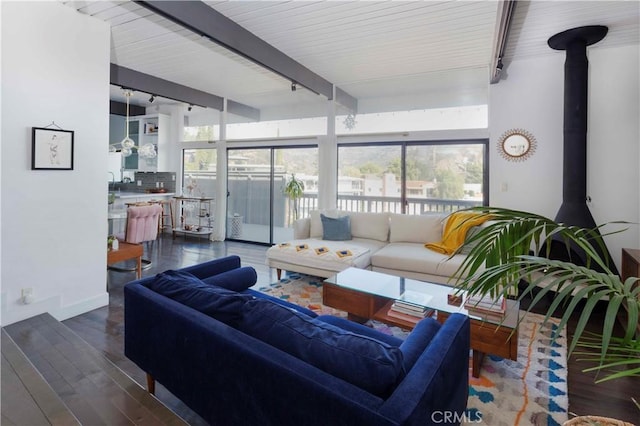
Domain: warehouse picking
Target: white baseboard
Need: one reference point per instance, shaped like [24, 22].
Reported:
[66, 312]
[17, 312]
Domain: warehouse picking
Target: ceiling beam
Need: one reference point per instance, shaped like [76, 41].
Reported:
[208, 22]
[346, 100]
[136, 80]
[120, 108]
[501, 34]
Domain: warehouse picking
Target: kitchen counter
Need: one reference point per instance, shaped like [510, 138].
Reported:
[146, 195]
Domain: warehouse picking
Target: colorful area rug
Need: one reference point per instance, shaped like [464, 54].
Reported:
[530, 391]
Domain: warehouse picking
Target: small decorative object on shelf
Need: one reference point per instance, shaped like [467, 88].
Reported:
[408, 312]
[454, 299]
[112, 242]
[486, 306]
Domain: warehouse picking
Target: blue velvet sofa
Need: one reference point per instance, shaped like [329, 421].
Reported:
[239, 362]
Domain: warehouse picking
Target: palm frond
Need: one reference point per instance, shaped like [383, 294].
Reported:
[507, 252]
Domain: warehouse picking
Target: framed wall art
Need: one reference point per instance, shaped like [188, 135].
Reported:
[52, 149]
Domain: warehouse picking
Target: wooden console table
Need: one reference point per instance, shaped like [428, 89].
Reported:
[127, 251]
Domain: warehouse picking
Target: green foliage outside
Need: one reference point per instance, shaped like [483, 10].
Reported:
[201, 159]
[449, 185]
[450, 179]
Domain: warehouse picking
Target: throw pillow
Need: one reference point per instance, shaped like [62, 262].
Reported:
[217, 302]
[466, 247]
[365, 362]
[336, 229]
[238, 279]
[315, 224]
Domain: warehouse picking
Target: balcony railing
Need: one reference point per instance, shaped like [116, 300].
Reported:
[361, 203]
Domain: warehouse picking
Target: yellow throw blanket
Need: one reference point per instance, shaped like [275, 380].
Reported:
[455, 231]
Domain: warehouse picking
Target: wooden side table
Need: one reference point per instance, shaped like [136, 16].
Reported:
[630, 268]
[127, 251]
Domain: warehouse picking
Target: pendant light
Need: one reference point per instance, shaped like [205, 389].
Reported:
[127, 143]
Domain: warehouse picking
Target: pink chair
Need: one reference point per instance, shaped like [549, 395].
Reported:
[142, 226]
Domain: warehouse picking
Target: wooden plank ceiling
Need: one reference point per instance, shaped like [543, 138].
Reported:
[370, 49]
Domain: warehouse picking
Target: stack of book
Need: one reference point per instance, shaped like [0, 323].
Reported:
[409, 311]
[486, 307]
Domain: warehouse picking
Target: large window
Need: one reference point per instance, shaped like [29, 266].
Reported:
[413, 178]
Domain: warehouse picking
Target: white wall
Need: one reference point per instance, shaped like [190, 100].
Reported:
[55, 67]
[532, 98]
[613, 179]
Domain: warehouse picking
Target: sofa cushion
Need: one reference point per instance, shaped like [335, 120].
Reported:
[405, 228]
[466, 248]
[365, 362]
[336, 229]
[217, 302]
[260, 295]
[238, 279]
[415, 257]
[361, 329]
[315, 225]
[374, 226]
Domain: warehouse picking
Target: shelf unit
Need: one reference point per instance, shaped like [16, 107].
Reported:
[153, 129]
[194, 216]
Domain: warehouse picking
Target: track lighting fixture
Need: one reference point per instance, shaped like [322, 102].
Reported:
[152, 98]
[190, 108]
[294, 86]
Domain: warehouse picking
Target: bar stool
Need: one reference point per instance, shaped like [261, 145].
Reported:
[169, 223]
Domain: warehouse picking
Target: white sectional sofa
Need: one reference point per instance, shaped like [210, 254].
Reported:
[384, 242]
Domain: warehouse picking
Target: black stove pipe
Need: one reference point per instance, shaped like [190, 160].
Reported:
[574, 209]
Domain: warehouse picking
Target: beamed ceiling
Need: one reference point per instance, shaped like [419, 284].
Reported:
[372, 50]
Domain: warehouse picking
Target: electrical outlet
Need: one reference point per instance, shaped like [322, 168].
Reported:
[27, 295]
[157, 184]
[139, 183]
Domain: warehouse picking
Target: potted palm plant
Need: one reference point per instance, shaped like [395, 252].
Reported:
[499, 260]
[294, 189]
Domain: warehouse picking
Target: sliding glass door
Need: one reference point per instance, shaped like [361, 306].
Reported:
[259, 209]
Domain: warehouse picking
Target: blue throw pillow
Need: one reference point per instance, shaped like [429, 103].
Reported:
[238, 279]
[217, 302]
[336, 229]
[365, 362]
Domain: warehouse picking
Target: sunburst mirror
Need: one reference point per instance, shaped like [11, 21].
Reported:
[516, 145]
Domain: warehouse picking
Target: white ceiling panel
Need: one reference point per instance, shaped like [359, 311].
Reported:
[536, 21]
[367, 48]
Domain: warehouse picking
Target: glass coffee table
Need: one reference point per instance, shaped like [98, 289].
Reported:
[365, 294]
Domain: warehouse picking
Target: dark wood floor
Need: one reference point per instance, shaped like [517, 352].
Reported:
[103, 329]
[55, 377]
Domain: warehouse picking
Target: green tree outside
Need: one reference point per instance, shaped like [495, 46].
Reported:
[449, 185]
